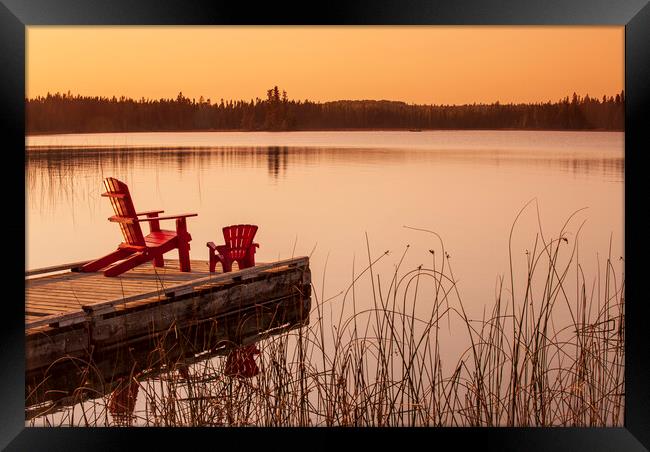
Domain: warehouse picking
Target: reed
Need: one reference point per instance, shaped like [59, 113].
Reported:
[549, 351]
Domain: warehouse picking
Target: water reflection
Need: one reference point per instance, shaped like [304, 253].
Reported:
[64, 164]
[277, 160]
[115, 369]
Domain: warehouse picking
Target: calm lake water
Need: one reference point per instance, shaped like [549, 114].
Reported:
[319, 193]
[322, 193]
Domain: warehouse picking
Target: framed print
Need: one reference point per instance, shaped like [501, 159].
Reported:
[359, 222]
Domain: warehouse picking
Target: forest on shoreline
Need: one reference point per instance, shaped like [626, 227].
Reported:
[68, 113]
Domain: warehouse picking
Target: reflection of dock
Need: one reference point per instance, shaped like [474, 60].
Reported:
[84, 330]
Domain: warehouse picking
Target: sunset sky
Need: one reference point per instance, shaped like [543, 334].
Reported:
[416, 64]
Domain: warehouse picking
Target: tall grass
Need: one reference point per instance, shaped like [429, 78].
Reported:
[549, 351]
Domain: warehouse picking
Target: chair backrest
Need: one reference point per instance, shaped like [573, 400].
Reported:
[120, 198]
[239, 236]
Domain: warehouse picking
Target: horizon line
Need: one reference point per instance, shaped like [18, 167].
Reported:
[69, 94]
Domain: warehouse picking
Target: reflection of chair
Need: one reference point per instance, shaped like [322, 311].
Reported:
[136, 248]
[241, 362]
[122, 401]
[239, 248]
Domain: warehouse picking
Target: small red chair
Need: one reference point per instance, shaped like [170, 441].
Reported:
[239, 248]
[138, 248]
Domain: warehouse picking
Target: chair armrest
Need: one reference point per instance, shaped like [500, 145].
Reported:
[167, 217]
[222, 249]
[255, 245]
[150, 212]
[124, 220]
[212, 246]
[114, 195]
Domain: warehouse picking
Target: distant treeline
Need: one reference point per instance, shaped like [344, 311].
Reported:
[66, 113]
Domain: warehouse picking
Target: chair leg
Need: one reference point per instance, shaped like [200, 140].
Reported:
[127, 264]
[184, 257]
[250, 260]
[102, 262]
[250, 256]
[227, 265]
[183, 245]
[213, 261]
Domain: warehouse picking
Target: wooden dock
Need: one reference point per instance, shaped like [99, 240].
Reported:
[79, 321]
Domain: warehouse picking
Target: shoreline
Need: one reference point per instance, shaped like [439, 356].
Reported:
[36, 134]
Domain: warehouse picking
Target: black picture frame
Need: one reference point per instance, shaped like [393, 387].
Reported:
[15, 15]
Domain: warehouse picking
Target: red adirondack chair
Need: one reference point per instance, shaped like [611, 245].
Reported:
[137, 248]
[239, 248]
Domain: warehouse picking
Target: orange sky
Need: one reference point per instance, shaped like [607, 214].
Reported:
[418, 64]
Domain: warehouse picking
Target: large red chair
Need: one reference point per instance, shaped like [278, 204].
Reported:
[239, 248]
[137, 248]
